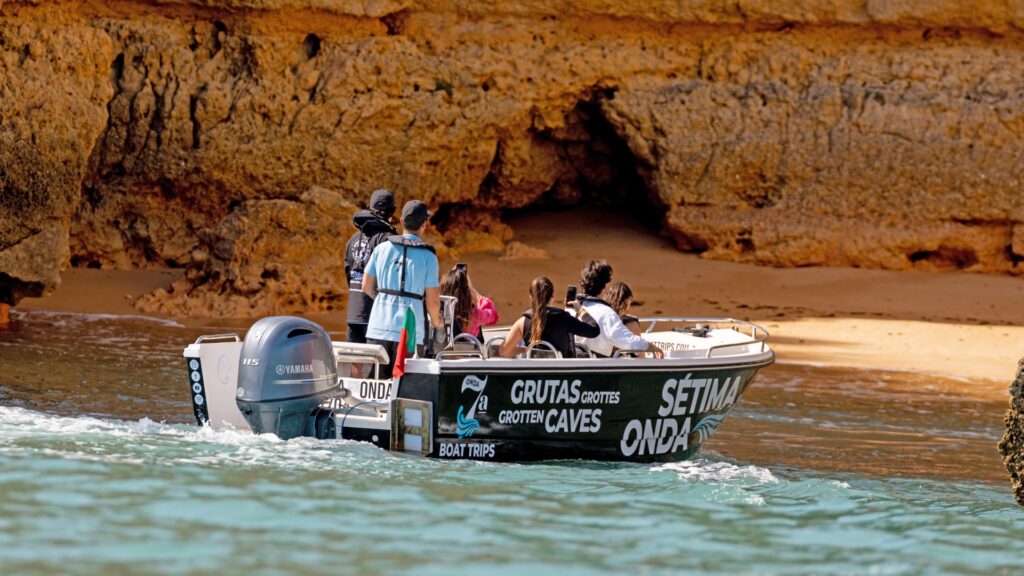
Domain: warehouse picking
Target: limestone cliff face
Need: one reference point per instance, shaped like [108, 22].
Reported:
[197, 133]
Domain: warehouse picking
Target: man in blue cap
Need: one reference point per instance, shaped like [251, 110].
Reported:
[374, 227]
[400, 273]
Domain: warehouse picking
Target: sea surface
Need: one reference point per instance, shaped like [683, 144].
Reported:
[818, 470]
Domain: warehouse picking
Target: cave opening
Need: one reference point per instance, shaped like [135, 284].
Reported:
[600, 170]
[584, 163]
[944, 258]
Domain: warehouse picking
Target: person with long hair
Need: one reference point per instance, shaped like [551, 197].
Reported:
[473, 311]
[619, 296]
[545, 323]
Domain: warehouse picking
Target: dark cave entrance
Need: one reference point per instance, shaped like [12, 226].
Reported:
[602, 170]
[584, 163]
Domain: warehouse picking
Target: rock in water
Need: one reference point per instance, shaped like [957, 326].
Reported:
[1012, 444]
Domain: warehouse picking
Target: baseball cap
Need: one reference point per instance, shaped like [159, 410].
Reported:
[414, 214]
[383, 201]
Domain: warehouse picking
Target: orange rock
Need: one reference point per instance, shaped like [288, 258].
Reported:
[158, 134]
[518, 251]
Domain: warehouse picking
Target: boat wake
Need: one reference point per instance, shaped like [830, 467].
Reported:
[61, 319]
[27, 434]
[149, 487]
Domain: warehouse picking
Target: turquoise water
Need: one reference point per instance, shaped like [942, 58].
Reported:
[91, 482]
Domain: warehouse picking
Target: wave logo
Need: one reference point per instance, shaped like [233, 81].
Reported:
[467, 424]
[707, 426]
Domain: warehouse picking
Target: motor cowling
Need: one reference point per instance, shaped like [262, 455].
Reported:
[286, 370]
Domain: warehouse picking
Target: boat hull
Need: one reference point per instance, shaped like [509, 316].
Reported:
[468, 405]
[657, 415]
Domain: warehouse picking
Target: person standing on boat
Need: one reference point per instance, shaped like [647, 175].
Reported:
[400, 273]
[594, 277]
[373, 227]
[545, 323]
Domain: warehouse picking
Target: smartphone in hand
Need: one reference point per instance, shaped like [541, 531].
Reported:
[570, 295]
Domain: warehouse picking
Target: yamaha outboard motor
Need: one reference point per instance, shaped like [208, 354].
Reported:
[286, 370]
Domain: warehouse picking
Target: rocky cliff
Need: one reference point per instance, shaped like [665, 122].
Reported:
[235, 137]
[1011, 446]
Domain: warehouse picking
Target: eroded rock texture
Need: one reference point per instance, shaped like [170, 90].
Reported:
[169, 133]
[1012, 444]
[53, 89]
[265, 256]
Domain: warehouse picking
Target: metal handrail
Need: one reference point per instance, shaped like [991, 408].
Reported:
[448, 304]
[360, 359]
[758, 334]
[585, 348]
[487, 346]
[360, 356]
[542, 343]
[202, 339]
[470, 339]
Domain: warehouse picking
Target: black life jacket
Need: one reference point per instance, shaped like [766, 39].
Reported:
[406, 244]
[583, 298]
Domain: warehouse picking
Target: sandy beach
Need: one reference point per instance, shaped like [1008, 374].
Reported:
[956, 324]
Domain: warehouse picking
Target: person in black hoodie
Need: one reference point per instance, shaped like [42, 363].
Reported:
[374, 227]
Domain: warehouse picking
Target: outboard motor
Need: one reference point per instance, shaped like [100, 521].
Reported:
[286, 370]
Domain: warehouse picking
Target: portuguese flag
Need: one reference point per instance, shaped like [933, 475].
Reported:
[406, 343]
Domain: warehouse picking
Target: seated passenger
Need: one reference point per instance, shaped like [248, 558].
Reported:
[619, 296]
[546, 323]
[472, 311]
[594, 277]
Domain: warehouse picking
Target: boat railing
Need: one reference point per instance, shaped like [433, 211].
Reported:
[580, 347]
[492, 346]
[455, 351]
[542, 346]
[758, 335]
[355, 355]
[212, 337]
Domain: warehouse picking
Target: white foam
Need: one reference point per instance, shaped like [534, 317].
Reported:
[707, 471]
[197, 445]
[23, 422]
[87, 317]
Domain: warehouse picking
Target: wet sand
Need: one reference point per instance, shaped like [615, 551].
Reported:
[955, 324]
